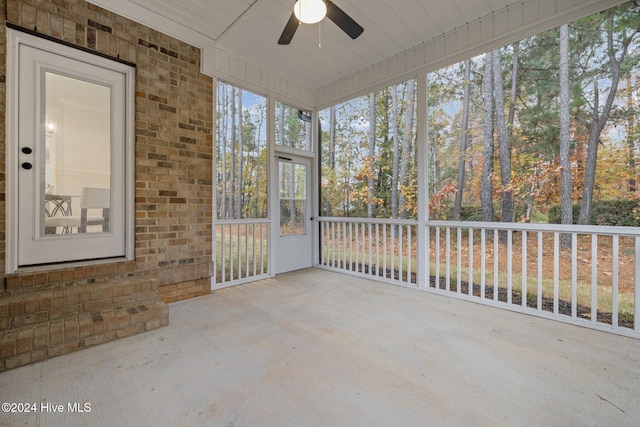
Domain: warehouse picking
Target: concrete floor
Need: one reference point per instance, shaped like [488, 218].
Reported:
[315, 348]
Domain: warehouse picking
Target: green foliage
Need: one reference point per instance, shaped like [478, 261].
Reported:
[618, 212]
[471, 213]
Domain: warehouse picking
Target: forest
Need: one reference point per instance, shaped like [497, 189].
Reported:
[543, 130]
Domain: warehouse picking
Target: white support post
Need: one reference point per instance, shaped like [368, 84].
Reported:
[422, 248]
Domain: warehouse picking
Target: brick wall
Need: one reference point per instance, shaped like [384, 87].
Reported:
[173, 195]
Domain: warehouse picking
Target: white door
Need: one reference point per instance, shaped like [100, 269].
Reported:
[293, 244]
[71, 141]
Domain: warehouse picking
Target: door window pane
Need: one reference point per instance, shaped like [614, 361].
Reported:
[75, 195]
[293, 127]
[292, 181]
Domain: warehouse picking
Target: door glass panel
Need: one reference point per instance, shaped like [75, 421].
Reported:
[75, 185]
[292, 182]
[293, 127]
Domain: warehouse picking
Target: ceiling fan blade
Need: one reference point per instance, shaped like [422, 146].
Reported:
[289, 30]
[342, 20]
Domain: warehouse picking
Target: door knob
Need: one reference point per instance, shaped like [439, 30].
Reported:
[27, 165]
[27, 150]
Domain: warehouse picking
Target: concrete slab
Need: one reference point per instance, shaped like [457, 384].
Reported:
[315, 348]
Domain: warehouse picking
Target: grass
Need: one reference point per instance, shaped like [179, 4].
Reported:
[584, 253]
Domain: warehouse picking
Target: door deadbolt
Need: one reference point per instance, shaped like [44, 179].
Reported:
[27, 150]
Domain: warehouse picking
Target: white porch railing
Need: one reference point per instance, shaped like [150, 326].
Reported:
[520, 267]
[523, 267]
[382, 249]
[242, 248]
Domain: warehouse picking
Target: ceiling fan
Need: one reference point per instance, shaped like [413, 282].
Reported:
[312, 11]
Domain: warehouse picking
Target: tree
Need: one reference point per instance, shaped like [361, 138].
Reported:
[372, 154]
[396, 152]
[464, 129]
[503, 143]
[599, 119]
[486, 191]
[407, 143]
[631, 147]
[565, 165]
[240, 158]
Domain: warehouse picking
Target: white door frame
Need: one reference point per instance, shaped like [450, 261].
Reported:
[120, 243]
[292, 252]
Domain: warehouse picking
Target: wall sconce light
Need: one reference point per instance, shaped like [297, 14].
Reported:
[51, 128]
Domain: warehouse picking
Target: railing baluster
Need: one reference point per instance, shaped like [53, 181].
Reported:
[323, 246]
[409, 254]
[345, 240]
[540, 262]
[509, 266]
[357, 245]
[400, 251]
[427, 257]
[333, 244]
[447, 274]
[384, 250]
[437, 278]
[525, 243]
[262, 238]
[636, 282]
[246, 250]
[239, 252]
[594, 278]
[370, 249]
[223, 257]
[556, 271]
[377, 249]
[574, 275]
[255, 244]
[459, 260]
[231, 245]
[483, 263]
[364, 252]
[470, 231]
[496, 281]
[393, 252]
[614, 280]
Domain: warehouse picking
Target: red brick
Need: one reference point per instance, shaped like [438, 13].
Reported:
[56, 332]
[84, 325]
[41, 336]
[25, 340]
[70, 328]
[8, 343]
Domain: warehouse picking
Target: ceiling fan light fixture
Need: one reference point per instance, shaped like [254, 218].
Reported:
[310, 11]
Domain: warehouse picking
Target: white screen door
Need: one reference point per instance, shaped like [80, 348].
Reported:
[294, 239]
[71, 159]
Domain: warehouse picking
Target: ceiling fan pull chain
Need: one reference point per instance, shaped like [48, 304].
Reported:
[320, 34]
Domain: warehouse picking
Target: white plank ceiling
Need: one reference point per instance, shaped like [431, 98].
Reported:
[249, 30]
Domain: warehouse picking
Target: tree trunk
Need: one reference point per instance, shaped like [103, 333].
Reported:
[503, 142]
[631, 148]
[372, 154]
[599, 122]
[464, 128]
[407, 140]
[486, 191]
[565, 165]
[225, 100]
[239, 194]
[332, 155]
[232, 158]
[514, 89]
[396, 153]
